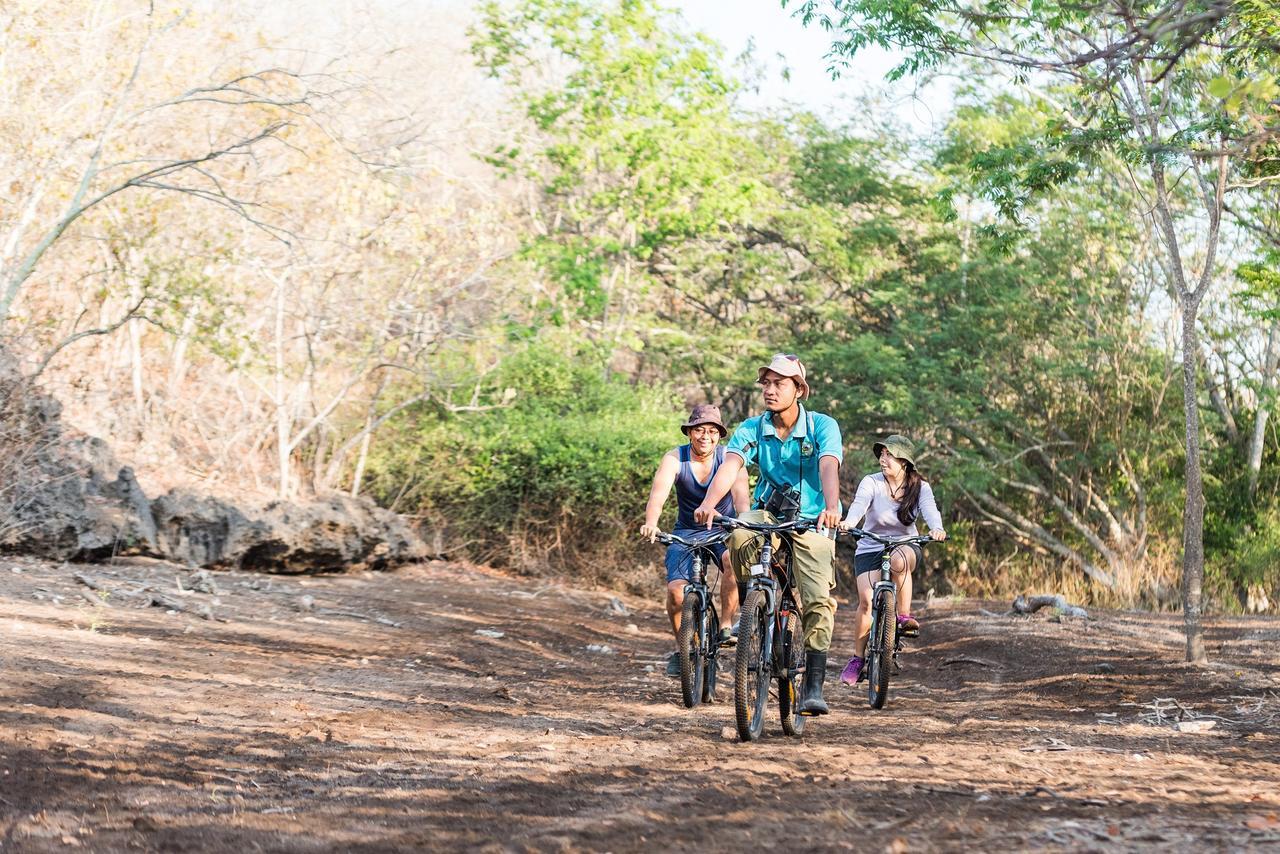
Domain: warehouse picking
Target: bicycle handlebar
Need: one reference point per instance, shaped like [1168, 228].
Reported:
[712, 540]
[796, 525]
[858, 533]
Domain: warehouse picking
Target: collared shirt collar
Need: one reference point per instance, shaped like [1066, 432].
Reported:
[800, 430]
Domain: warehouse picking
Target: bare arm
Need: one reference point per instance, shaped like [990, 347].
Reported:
[719, 487]
[663, 480]
[829, 472]
[741, 491]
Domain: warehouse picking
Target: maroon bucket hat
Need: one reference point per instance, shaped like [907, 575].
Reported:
[704, 413]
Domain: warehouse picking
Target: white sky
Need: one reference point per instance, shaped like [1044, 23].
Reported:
[738, 23]
[773, 31]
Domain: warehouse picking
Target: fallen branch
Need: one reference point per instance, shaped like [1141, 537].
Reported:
[964, 659]
[1025, 605]
[90, 598]
[329, 612]
[92, 583]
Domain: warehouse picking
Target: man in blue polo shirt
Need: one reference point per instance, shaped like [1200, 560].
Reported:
[798, 454]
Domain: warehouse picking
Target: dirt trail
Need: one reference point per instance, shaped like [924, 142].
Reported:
[366, 713]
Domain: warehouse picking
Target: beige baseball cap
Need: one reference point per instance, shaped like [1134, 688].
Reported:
[787, 365]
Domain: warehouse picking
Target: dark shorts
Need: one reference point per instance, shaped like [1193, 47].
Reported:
[870, 561]
[680, 558]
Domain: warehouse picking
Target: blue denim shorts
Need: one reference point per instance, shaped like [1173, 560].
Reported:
[680, 558]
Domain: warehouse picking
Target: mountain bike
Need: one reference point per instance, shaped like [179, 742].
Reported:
[770, 638]
[885, 641]
[699, 638]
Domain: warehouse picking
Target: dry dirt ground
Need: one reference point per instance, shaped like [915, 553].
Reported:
[374, 712]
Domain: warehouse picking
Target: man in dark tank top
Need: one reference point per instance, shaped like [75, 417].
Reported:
[690, 468]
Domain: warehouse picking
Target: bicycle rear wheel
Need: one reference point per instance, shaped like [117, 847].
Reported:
[751, 671]
[692, 642]
[789, 684]
[883, 636]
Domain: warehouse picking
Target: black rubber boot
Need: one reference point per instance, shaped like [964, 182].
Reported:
[815, 671]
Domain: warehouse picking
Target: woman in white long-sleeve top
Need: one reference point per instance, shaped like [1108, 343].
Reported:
[891, 500]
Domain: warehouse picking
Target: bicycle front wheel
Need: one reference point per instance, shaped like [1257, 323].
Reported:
[789, 684]
[883, 636]
[692, 642]
[751, 671]
[710, 652]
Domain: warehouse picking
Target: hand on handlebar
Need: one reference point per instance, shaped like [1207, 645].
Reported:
[828, 519]
[705, 515]
[938, 534]
[650, 532]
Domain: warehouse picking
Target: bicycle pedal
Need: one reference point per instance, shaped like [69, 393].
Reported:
[909, 633]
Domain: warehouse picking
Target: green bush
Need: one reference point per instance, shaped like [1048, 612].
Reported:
[551, 475]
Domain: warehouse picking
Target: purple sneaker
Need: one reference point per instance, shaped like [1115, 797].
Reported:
[908, 625]
[852, 672]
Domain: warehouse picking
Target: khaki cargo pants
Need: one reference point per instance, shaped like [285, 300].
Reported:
[814, 567]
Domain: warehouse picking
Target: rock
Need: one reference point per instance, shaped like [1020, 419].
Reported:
[600, 648]
[64, 496]
[1195, 726]
[632, 629]
[198, 530]
[1104, 667]
[729, 733]
[616, 608]
[202, 582]
[335, 533]
[145, 824]
[306, 602]
[490, 633]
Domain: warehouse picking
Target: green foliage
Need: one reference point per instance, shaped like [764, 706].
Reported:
[566, 460]
[1260, 295]
[637, 149]
[991, 301]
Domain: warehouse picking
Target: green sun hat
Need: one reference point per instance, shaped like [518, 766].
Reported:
[900, 446]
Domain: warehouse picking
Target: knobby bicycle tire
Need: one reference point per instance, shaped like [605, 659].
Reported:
[691, 644]
[710, 645]
[751, 671]
[792, 641]
[886, 621]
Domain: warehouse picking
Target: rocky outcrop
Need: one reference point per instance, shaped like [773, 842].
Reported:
[332, 533]
[66, 497]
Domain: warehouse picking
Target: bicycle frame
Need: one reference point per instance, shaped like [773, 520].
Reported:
[698, 596]
[776, 582]
[769, 645]
[881, 653]
[698, 581]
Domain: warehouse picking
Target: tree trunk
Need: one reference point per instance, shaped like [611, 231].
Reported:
[363, 457]
[284, 423]
[1193, 514]
[178, 362]
[1263, 412]
[135, 343]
